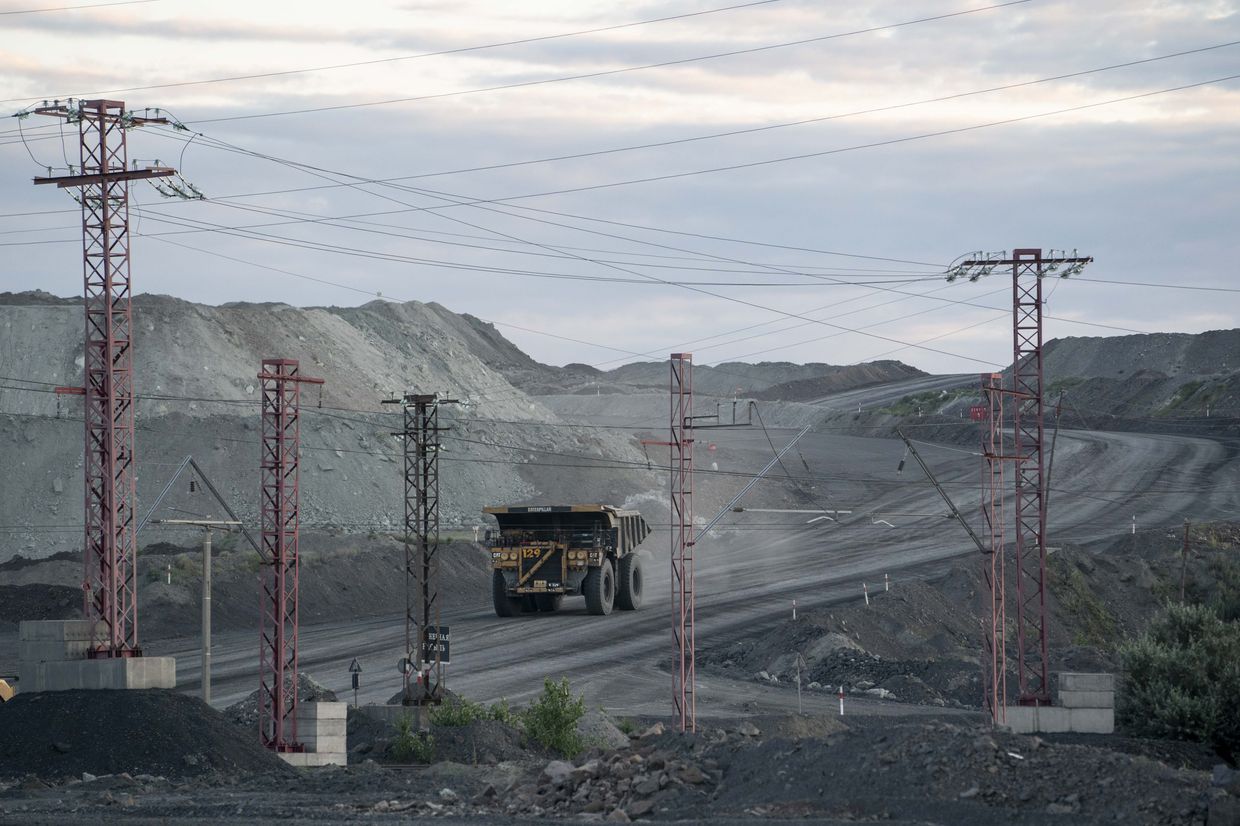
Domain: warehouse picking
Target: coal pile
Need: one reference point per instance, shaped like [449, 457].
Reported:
[933, 682]
[484, 742]
[947, 773]
[63, 734]
[244, 713]
[38, 602]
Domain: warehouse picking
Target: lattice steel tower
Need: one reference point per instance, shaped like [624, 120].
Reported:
[684, 698]
[1028, 267]
[281, 382]
[422, 603]
[110, 593]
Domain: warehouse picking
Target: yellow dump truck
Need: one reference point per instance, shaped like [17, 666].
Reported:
[542, 553]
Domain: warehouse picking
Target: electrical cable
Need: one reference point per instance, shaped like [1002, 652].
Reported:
[610, 72]
[378, 61]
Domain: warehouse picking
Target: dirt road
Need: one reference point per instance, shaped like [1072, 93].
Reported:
[753, 568]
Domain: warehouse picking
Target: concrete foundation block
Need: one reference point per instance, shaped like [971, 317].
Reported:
[1092, 720]
[322, 711]
[312, 760]
[1086, 682]
[321, 728]
[1087, 699]
[325, 745]
[56, 630]
[1034, 719]
[42, 651]
[126, 673]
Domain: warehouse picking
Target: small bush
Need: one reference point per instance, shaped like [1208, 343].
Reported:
[626, 725]
[459, 712]
[552, 719]
[1183, 678]
[410, 746]
[502, 712]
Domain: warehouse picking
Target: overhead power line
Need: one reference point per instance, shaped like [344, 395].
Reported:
[618, 71]
[749, 130]
[806, 121]
[399, 58]
[75, 8]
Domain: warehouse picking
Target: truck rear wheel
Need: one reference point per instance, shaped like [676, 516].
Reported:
[505, 605]
[549, 603]
[629, 593]
[599, 586]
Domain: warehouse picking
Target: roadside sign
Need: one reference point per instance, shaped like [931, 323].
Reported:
[979, 413]
[405, 665]
[355, 673]
[436, 644]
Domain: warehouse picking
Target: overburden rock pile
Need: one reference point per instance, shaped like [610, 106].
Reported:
[619, 786]
[196, 379]
[244, 712]
[69, 734]
[875, 769]
[916, 643]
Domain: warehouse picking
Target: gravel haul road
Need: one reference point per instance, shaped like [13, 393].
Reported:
[752, 567]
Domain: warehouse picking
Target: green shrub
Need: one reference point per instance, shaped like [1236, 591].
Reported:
[1092, 621]
[626, 725]
[409, 746]
[503, 712]
[552, 719]
[1182, 678]
[460, 712]
[457, 712]
[1226, 600]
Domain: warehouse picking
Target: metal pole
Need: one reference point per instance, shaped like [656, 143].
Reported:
[206, 616]
[1184, 562]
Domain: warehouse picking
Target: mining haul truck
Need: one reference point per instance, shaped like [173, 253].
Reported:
[540, 554]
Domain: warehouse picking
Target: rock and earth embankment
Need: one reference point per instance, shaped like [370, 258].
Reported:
[198, 393]
[824, 769]
[946, 766]
[920, 642]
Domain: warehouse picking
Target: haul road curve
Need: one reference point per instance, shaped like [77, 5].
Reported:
[747, 577]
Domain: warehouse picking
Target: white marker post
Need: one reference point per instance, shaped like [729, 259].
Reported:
[886, 583]
[865, 589]
[794, 610]
[841, 701]
[1134, 524]
[169, 573]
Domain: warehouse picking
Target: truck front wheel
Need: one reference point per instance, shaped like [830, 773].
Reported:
[505, 605]
[629, 594]
[599, 586]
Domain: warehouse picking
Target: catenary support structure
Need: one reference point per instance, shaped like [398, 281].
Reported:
[1029, 266]
[281, 382]
[684, 697]
[422, 604]
[994, 611]
[109, 589]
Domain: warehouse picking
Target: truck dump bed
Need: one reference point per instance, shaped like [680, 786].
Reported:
[577, 525]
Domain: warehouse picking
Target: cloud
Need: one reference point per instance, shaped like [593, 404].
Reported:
[1148, 187]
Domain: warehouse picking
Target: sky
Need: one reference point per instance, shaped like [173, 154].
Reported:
[527, 163]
